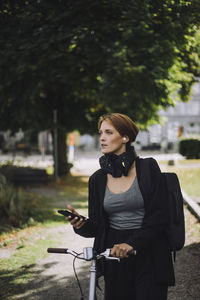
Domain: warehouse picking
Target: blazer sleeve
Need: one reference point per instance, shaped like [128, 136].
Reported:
[89, 229]
[156, 210]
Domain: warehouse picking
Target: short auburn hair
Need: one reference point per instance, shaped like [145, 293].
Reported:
[122, 123]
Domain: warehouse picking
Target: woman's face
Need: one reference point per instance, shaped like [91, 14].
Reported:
[110, 139]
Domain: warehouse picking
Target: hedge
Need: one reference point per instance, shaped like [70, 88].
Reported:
[190, 148]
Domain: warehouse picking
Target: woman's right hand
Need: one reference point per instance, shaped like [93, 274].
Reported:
[77, 224]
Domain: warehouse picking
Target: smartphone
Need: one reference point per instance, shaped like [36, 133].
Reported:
[67, 213]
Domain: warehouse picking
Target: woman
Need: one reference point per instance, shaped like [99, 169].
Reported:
[122, 218]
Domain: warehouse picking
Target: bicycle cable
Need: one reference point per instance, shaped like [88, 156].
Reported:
[78, 282]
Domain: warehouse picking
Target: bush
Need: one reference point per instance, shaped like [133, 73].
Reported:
[190, 148]
[16, 208]
[23, 175]
[12, 204]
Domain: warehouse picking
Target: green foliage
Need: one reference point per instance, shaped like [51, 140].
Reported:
[11, 204]
[190, 148]
[85, 58]
[17, 208]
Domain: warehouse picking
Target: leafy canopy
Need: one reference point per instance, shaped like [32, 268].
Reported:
[85, 58]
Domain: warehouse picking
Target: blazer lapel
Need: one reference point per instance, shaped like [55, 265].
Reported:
[142, 167]
[102, 180]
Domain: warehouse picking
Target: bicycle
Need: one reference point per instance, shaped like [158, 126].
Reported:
[88, 254]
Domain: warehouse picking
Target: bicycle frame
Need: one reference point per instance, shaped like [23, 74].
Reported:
[88, 255]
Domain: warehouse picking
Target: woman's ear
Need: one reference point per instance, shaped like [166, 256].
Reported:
[126, 139]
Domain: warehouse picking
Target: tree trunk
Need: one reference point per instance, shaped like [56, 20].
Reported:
[63, 167]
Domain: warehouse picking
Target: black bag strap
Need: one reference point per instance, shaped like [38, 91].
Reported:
[145, 178]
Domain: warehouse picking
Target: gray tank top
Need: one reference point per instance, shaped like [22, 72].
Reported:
[125, 210]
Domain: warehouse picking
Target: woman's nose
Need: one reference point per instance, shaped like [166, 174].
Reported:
[102, 137]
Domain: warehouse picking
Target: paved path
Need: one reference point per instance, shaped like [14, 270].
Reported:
[55, 278]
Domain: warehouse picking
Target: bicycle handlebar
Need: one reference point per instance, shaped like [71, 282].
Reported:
[57, 250]
[88, 253]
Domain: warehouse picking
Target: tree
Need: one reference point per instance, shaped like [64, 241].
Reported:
[88, 57]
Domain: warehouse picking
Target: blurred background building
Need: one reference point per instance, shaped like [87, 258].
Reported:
[177, 122]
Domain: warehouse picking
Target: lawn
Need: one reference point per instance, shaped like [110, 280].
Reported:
[20, 268]
[189, 179]
[188, 173]
[29, 243]
[42, 202]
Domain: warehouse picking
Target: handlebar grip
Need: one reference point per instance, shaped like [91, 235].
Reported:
[57, 250]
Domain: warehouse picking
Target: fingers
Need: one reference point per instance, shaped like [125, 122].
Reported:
[79, 224]
[69, 218]
[75, 222]
[72, 210]
[121, 250]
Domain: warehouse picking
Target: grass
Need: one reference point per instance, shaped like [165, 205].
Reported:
[188, 176]
[189, 180]
[45, 200]
[20, 268]
[189, 161]
[30, 243]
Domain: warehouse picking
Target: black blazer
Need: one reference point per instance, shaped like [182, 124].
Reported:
[151, 236]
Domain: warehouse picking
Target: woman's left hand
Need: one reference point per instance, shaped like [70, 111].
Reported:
[121, 250]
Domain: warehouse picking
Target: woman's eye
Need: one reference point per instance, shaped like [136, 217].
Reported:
[106, 132]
